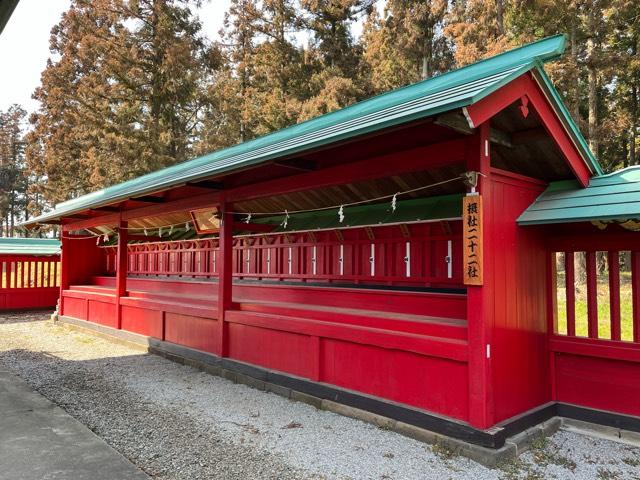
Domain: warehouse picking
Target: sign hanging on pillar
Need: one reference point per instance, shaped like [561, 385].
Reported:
[472, 238]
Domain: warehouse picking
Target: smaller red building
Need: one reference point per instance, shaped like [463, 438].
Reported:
[29, 273]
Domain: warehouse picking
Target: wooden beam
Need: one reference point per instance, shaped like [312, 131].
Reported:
[207, 184]
[419, 159]
[107, 209]
[529, 135]
[111, 219]
[298, 164]
[144, 238]
[457, 122]
[253, 227]
[181, 205]
[148, 199]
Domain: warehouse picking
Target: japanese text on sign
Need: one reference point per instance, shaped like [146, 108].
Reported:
[472, 239]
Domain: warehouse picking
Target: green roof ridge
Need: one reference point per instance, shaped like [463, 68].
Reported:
[29, 246]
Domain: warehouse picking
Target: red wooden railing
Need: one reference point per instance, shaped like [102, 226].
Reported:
[581, 305]
[24, 272]
[412, 255]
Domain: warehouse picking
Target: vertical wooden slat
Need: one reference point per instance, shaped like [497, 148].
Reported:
[552, 314]
[225, 278]
[635, 294]
[570, 293]
[122, 264]
[592, 295]
[614, 294]
[552, 294]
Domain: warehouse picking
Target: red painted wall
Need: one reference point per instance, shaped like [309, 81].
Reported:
[519, 355]
[384, 343]
[601, 383]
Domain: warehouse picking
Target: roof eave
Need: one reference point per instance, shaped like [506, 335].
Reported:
[391, 122]
[543, 80]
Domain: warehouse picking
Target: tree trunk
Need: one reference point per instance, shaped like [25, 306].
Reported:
[500, 16]
[592, 80]
[575, 107]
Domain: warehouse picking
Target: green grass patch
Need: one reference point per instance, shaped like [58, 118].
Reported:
[604, 315]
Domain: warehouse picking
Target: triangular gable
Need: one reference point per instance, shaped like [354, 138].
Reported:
[534, 90]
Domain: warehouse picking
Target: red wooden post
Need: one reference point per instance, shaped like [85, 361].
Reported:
[635, 293]
[121, 267]
[225, 276]
[65, 262]
[552, 294]
[592, 295]
[479, 297]
[614, 294]
[570, 292]
[552, 315]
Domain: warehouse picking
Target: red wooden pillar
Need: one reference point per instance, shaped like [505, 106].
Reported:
[570, 284]
[65, 262]
[635, 294]
[614, 294]
[552, 315]
[121, 267]
[479, 298]
[225, 276]
[592, 295]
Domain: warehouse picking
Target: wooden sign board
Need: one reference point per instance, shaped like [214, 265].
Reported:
[472, 239]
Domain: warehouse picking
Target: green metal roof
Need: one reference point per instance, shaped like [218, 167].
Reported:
[29, 246]
[615, 196]
[407, 211]
[449, 91]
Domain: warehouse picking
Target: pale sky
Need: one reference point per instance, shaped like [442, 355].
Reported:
[24, 45]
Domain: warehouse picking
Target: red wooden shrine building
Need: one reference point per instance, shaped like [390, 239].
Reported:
[29, 273]
[335, 257]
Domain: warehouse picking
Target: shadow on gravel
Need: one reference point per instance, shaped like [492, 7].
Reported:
[24, 316]
[163, 440]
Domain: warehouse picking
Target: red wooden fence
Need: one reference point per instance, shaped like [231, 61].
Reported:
[28, 281]
[427, 254]
[595, 327]
[613, 316]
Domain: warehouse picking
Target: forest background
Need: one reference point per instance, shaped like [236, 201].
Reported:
[136, 85]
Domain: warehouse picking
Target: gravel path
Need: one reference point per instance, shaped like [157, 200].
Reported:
[176, 422]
